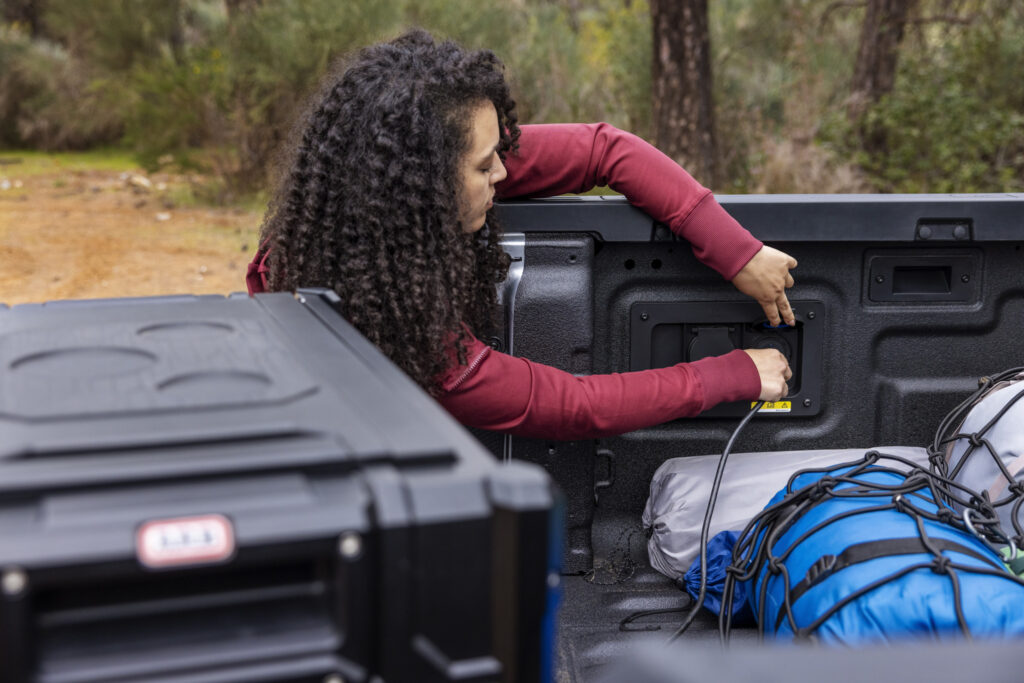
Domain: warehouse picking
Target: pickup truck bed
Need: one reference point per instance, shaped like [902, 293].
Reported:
[904, 302]
[592, 609]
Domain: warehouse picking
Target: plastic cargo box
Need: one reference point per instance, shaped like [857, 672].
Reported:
[245, 489]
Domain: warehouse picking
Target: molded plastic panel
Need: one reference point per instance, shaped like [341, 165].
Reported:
[663, 334]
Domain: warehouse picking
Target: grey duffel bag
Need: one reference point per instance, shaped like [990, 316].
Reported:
[681, 487]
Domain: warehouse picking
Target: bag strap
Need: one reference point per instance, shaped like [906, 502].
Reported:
[827, 565]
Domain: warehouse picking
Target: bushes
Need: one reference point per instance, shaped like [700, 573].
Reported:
[232, 92]
[48, 99]
[945, 136]
[218, 90]
[954, 120]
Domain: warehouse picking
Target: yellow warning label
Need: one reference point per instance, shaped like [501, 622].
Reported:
[774, 407]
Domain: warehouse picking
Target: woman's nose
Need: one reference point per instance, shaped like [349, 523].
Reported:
[499, 173]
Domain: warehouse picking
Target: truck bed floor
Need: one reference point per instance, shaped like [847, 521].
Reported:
[589, 637]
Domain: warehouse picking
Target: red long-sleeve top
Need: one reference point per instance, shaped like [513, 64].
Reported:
[504, 393]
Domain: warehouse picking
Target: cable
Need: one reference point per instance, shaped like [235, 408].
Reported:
[705, 530]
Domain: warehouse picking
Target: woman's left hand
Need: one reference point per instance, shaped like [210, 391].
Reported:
[766, 278]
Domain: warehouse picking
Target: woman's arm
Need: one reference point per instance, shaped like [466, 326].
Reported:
[496, 391]
[557, 158]
[574, 157]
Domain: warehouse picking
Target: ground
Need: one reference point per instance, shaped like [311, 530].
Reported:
[75, 229]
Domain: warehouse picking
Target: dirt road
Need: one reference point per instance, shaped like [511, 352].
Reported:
[93, 234]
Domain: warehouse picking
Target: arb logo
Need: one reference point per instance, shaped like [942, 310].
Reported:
[185, 540]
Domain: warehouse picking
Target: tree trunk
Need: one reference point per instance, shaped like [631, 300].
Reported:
[683, 112]
[880, 38]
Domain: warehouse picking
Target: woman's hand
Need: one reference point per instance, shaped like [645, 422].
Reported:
[774, 372]
[766, 278]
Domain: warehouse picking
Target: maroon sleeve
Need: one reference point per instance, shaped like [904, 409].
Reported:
[496, 391]
[256, 272]
[574, 157]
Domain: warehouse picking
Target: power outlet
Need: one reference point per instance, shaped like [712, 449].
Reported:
[663, 334]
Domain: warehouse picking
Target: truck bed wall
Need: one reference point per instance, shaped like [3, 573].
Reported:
[889, 369]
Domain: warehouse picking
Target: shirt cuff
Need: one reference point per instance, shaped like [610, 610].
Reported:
[732, 377]
[718, 240]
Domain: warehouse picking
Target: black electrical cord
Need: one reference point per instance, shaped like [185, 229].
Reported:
[625, 624]
[705, 530]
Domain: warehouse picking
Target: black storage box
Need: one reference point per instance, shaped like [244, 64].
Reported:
[245, 489]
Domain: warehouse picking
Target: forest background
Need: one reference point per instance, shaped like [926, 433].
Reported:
[200, 96]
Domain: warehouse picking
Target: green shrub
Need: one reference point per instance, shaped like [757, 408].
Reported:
[115, 36]
[235, 89]
[48, 99]
[954, 120]
[233, 92]
[779, 67]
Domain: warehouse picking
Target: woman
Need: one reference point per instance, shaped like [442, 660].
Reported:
[388, 201]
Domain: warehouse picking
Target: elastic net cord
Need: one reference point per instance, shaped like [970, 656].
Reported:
[754, 557]
[1005, 489]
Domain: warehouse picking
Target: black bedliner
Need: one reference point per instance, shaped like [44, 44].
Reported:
[920, 296]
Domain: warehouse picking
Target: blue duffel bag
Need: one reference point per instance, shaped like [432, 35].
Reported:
[863, 553]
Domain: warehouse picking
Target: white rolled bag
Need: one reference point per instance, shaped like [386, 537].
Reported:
[993, 433]
[681, 487]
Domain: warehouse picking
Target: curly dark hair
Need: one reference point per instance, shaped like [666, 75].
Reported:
[369, 205]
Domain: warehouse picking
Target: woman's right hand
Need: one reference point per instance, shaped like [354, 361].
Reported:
[774, 372]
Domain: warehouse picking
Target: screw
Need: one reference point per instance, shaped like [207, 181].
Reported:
[879, 279]
[551, 451]
[644, 316]
[810, 316]
[350, 545]
[807, 403]
[965, 278]
[14, 582]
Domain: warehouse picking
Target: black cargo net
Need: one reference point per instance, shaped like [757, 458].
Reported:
[922, 495]
[1001, 492]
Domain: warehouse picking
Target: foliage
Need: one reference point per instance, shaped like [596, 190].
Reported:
[565, 64]
[220, 90]
[114, 35]
[954, 122]
[776, 72]
[236, 91]
[47, 99]
[617, 43]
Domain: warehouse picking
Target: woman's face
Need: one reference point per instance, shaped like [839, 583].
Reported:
[481, 168]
